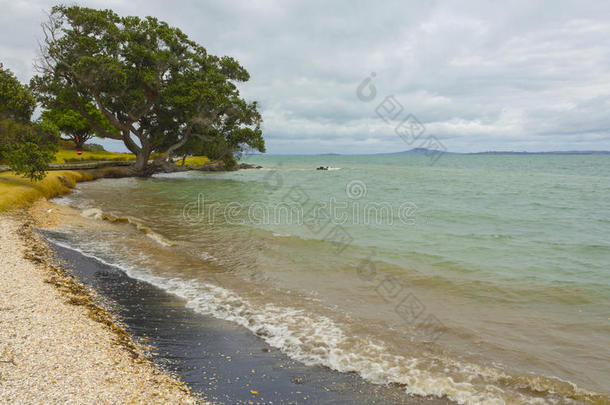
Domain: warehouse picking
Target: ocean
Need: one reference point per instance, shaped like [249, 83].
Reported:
[479, 278]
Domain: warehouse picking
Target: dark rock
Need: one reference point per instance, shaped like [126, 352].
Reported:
[211, 167]
[249, 166]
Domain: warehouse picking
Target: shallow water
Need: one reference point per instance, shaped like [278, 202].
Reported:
[218, 360]
[478, 278]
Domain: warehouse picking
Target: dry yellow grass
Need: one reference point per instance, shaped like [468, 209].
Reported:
[65, 156]
[17, 191]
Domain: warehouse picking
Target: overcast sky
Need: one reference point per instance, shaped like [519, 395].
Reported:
[529, 76]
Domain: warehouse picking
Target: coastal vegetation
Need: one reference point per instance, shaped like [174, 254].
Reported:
[130, 79]
[16, 191]
[28, 147]
[144, 83]
[73, 125]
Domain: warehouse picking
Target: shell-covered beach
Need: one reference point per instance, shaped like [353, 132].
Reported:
[56, 349]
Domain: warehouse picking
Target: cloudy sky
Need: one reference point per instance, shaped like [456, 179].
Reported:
[530, 76]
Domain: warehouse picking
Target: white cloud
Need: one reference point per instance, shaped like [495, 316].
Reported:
[529, 75]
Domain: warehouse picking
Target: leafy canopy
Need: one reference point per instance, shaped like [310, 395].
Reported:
[27, 148]
[16, 101]
[156, 88]
[72, 124]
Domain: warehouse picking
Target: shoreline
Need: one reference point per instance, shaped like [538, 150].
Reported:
[18, 192]
[216, 357]
[133, 372]
[57, 341]
[40, 211]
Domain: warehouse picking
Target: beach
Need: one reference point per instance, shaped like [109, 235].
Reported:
[55, 349]
[420, 222]
[251, 308]
[216, 358]
[100, 336]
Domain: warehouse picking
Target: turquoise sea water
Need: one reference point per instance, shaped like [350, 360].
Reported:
[482, 278]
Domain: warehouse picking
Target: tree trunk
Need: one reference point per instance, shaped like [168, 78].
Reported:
[141, 167]
[183, 160]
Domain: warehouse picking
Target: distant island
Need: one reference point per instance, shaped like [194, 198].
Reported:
[567, 152]
[425, 151]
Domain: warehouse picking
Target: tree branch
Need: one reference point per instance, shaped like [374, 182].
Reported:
[109, 116]
[131, 145]
[179, 144]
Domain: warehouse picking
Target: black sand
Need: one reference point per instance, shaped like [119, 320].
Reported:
[225, 362]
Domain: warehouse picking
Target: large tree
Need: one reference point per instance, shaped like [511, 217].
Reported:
[157, 88]
[27, 147]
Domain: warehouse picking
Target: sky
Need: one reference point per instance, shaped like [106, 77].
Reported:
[372, 77]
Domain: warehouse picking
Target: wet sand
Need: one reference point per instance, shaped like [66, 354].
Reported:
[226, 362]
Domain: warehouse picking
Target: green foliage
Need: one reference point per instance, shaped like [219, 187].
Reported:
[16, 101]
[28, 148]
[30, 160]
[75, 125]
[148, 80]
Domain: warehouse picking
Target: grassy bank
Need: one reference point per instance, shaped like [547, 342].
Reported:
[17, 191]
